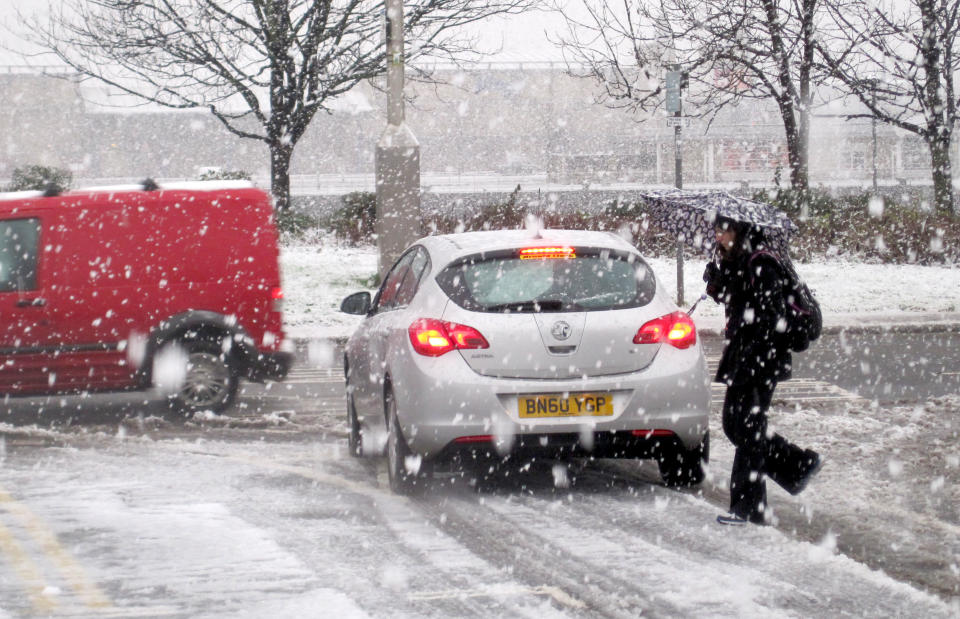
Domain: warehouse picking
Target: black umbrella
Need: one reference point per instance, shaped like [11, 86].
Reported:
[690, 215]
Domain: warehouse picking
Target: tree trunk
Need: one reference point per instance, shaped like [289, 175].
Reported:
[801, 177]
[942, 172]
[280, 155]
[797, 134]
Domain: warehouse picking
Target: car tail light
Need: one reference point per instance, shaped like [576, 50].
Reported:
[547, 253]
[432, 337]
[276, 297]
[676, 329]
[479, 438]
[651, 433]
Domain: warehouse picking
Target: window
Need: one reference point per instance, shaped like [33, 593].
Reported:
[411, 280]
[18, 254]
[857, 160]
[593, 280]
[916, 154]
[403, 280]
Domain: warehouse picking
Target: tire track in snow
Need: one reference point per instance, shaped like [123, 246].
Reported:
[538, 560]
[431, 554]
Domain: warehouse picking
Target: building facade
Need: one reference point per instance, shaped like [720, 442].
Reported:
[519, 119]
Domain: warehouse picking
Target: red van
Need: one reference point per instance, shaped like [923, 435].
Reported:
[96, 285]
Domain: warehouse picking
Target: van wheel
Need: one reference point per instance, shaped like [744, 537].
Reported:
[210, 383]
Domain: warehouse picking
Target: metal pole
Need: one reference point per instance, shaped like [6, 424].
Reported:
[678, 175]
[397, 157]
[873, 131]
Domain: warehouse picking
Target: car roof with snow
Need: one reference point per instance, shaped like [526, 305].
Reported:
[447, 247]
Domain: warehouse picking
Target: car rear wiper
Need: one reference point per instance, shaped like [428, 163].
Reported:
[534, 305]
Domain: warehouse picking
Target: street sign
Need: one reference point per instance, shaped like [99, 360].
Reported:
[672, 86]
[678, 121]
[672, 80]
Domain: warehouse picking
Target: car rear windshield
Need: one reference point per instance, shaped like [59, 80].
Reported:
[589, 280]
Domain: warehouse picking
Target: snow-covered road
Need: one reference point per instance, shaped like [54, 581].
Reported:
[200, 526]
[263, 514]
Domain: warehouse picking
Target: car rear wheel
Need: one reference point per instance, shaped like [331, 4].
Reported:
[683, 467]
[209, 383]
[354, 436]
[406, 471]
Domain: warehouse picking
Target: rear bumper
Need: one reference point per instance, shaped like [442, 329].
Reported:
[440, 400]
[525, 447]
[269, 366]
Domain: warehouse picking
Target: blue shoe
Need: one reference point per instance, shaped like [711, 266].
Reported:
[731, 520]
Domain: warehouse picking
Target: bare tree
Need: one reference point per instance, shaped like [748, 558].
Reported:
[900, 60]
[264, 68]
[731, 51]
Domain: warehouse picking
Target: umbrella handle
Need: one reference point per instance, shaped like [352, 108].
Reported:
[694, 306]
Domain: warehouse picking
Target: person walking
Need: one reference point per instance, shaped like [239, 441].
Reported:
[749, 281]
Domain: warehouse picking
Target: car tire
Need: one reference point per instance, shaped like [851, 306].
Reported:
[354, 432]
[680, 467]
[402, 480]
[210, 383]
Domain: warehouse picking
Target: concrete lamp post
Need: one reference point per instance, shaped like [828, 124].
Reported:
[397, 157]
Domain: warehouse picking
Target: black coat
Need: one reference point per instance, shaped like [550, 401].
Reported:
[751, 289]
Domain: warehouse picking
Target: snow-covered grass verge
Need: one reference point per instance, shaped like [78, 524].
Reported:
[318, 275]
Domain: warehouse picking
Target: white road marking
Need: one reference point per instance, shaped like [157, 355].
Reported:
[560, 596]
[793, 391]
[406, 522]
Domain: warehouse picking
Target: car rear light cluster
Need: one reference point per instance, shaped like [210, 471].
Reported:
[432, 337]
[676, 329]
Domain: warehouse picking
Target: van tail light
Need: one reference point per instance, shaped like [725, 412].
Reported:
[276, 298]
[676, 329]
[432, 337]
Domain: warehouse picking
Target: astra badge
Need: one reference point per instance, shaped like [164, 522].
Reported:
[560, 330]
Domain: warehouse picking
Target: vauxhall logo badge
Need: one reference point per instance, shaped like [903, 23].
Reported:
[560, 330]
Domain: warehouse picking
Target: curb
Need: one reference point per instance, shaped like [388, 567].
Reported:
[941, 327]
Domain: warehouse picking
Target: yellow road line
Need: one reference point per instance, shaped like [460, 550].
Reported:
[88, 592]
[26, 570]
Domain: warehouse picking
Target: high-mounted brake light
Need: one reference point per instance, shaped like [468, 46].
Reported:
[432, 337]
[546, 253]
[276, 297]
[676, 329]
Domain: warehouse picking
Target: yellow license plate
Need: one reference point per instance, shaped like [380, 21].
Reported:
[574, 405]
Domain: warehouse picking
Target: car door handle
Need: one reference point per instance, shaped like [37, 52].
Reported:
[38, 302]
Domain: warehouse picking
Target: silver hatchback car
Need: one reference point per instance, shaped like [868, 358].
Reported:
[517, 345]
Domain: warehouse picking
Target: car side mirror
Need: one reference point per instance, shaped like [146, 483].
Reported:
[358, 303]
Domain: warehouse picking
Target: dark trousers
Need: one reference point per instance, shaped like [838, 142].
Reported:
[757, 454]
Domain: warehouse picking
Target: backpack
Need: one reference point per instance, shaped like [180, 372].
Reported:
[804, 320]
